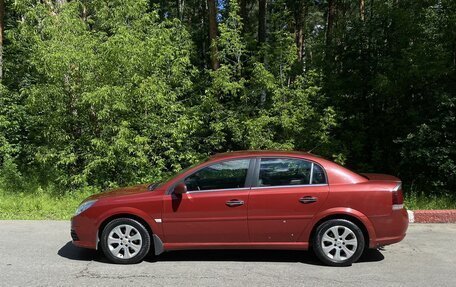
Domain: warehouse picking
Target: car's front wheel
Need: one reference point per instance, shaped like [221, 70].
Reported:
[338, 242]
[125, 241]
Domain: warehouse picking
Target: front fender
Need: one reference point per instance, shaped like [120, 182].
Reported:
[154, 226]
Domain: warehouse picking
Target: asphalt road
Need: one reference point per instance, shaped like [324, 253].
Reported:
[39, 253]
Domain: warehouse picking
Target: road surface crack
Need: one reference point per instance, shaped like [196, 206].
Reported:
[84, 271]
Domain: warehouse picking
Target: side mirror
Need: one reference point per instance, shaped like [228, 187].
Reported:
[180, 188]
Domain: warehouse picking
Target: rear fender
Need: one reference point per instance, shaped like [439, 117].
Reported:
[305, 236]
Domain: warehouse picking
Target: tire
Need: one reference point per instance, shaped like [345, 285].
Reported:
[342, 250]
[125, 241]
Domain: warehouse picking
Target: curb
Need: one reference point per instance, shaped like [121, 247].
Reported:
[432, 216]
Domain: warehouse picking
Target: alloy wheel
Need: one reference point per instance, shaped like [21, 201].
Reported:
[339, 243]
[124, 241]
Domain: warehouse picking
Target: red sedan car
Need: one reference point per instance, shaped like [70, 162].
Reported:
[246, 200]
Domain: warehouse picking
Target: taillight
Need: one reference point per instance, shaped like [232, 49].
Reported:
[397, 197]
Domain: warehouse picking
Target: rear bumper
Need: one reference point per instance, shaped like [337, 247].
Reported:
[390, 229]
[84, 232]
[389, 240]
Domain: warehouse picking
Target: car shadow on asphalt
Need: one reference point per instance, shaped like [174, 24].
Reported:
[72, 252]
[69, 251]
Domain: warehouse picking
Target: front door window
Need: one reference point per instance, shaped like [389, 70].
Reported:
[224, 175]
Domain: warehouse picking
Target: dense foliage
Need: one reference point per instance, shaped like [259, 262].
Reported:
[104, 93]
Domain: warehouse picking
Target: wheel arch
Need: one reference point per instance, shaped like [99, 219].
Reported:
[153, 228]
[348, 214]
[157, 243]
[124, 215]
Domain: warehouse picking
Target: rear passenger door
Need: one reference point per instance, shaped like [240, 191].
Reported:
[284, 197]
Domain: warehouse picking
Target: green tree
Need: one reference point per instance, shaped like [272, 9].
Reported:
[104, 93]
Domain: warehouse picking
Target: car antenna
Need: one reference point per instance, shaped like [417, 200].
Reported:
[310, 150]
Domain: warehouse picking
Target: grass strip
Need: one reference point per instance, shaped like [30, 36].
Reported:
[43, 205]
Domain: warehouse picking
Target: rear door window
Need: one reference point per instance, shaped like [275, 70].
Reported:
[289, 172]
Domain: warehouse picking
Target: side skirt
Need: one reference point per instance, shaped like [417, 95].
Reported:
[238, 245]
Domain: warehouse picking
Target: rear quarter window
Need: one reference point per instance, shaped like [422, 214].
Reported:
[318, 175]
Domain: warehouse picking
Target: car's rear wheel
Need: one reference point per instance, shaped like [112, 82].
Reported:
[338, 242]
[125, 241]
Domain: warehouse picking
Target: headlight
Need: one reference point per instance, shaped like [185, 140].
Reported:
[83, 207]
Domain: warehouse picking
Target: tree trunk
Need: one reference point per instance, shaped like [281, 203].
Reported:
[84, 12]
[180, 9]
[60, 3]
[2, 27]
[213, 33]
[243, 13]
[202, 16]
[300, 21]
[361, 9]
[262, 21]
[330, 20]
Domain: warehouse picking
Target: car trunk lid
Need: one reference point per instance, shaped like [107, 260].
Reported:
[381, 177]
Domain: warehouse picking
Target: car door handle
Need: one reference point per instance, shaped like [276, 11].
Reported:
[234, 202]
[307, 199]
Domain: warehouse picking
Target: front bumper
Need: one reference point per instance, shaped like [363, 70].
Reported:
[84, 232]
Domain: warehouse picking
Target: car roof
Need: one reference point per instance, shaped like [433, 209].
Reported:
[248, 153]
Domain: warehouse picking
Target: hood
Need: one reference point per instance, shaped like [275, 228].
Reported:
[380, 176]
[122, 191]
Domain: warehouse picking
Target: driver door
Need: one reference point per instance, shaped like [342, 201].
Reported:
[214, 209]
